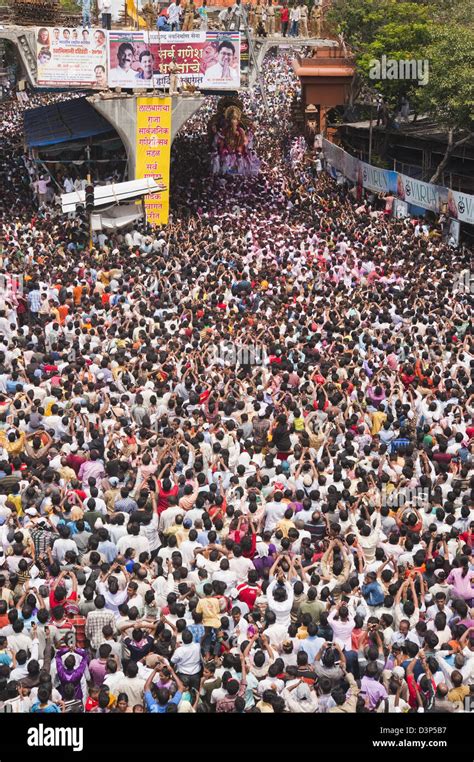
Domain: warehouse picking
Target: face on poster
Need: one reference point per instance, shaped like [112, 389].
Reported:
[210, 60]
[71, 56]
[244, 54]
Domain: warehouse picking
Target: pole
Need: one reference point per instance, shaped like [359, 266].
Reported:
[253, 56]
[89, 181]
[370, 131]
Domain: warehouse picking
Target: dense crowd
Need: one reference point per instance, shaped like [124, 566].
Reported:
[236, 453]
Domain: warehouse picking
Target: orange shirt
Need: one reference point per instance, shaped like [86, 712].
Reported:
[77, 292]
[63, 313]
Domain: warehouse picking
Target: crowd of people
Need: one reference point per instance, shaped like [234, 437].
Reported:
[292, 18]
[236, 453]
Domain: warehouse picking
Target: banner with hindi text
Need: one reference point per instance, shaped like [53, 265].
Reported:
[153, 149]
[71, 56]
[206, 59]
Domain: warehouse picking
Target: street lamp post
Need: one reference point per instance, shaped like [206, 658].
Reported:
[370, 129]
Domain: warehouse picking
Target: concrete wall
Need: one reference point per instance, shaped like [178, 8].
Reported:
[121, 112]
[24, 39]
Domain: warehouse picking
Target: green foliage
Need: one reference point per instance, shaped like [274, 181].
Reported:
[71, 6]
[449, 94]
[364, 22]
[441, 31]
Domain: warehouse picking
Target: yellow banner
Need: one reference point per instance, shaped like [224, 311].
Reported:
[133, 13]
[153, 143]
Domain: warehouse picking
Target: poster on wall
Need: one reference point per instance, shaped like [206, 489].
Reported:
[420, 194]
[71, 56]
[244, 54]
[399, 209]
[461, 206]
[206, 59]
[454, 233]
[377, 179]
[153, 150]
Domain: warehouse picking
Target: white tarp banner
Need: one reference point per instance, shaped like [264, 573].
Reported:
[461, 206]
[118, 217]
[421, 194]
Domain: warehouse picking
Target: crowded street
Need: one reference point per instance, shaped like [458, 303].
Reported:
[236, 467]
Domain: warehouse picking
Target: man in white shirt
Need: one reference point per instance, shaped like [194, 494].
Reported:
[124, 73]
[134, 540]
[222, 71]
[274, 512]
[63, 544]
[168, 516]
[368, 538]
[174, 15]
[280, 600]
[187, 660]
[69, 185]
[113, 679]
[188, 547]
[226, 575]
[240, 566]
[342, 626]
[294, 21]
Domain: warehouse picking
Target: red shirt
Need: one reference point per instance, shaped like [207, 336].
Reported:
[442, 457]
[79, 492]
[468, 538]
[406, 379]
[79, 623]
[250, 553]
[284, 14]
[54, 602]
[163, 498]
[248, 594]
[75, 462]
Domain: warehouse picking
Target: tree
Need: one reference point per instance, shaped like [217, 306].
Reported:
[375, 28]
[449, 94]
[440, 32]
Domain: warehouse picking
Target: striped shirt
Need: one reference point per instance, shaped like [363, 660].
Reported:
[95, 622]
[34, 301]
[42, 540]
[400, 442]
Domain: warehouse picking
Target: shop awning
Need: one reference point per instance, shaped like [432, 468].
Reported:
[62, 122]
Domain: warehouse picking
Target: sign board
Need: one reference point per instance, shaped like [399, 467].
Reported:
[71, 56]
[207, 59]
[153, 151]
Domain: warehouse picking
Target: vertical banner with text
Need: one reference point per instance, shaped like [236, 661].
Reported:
[153, 152]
